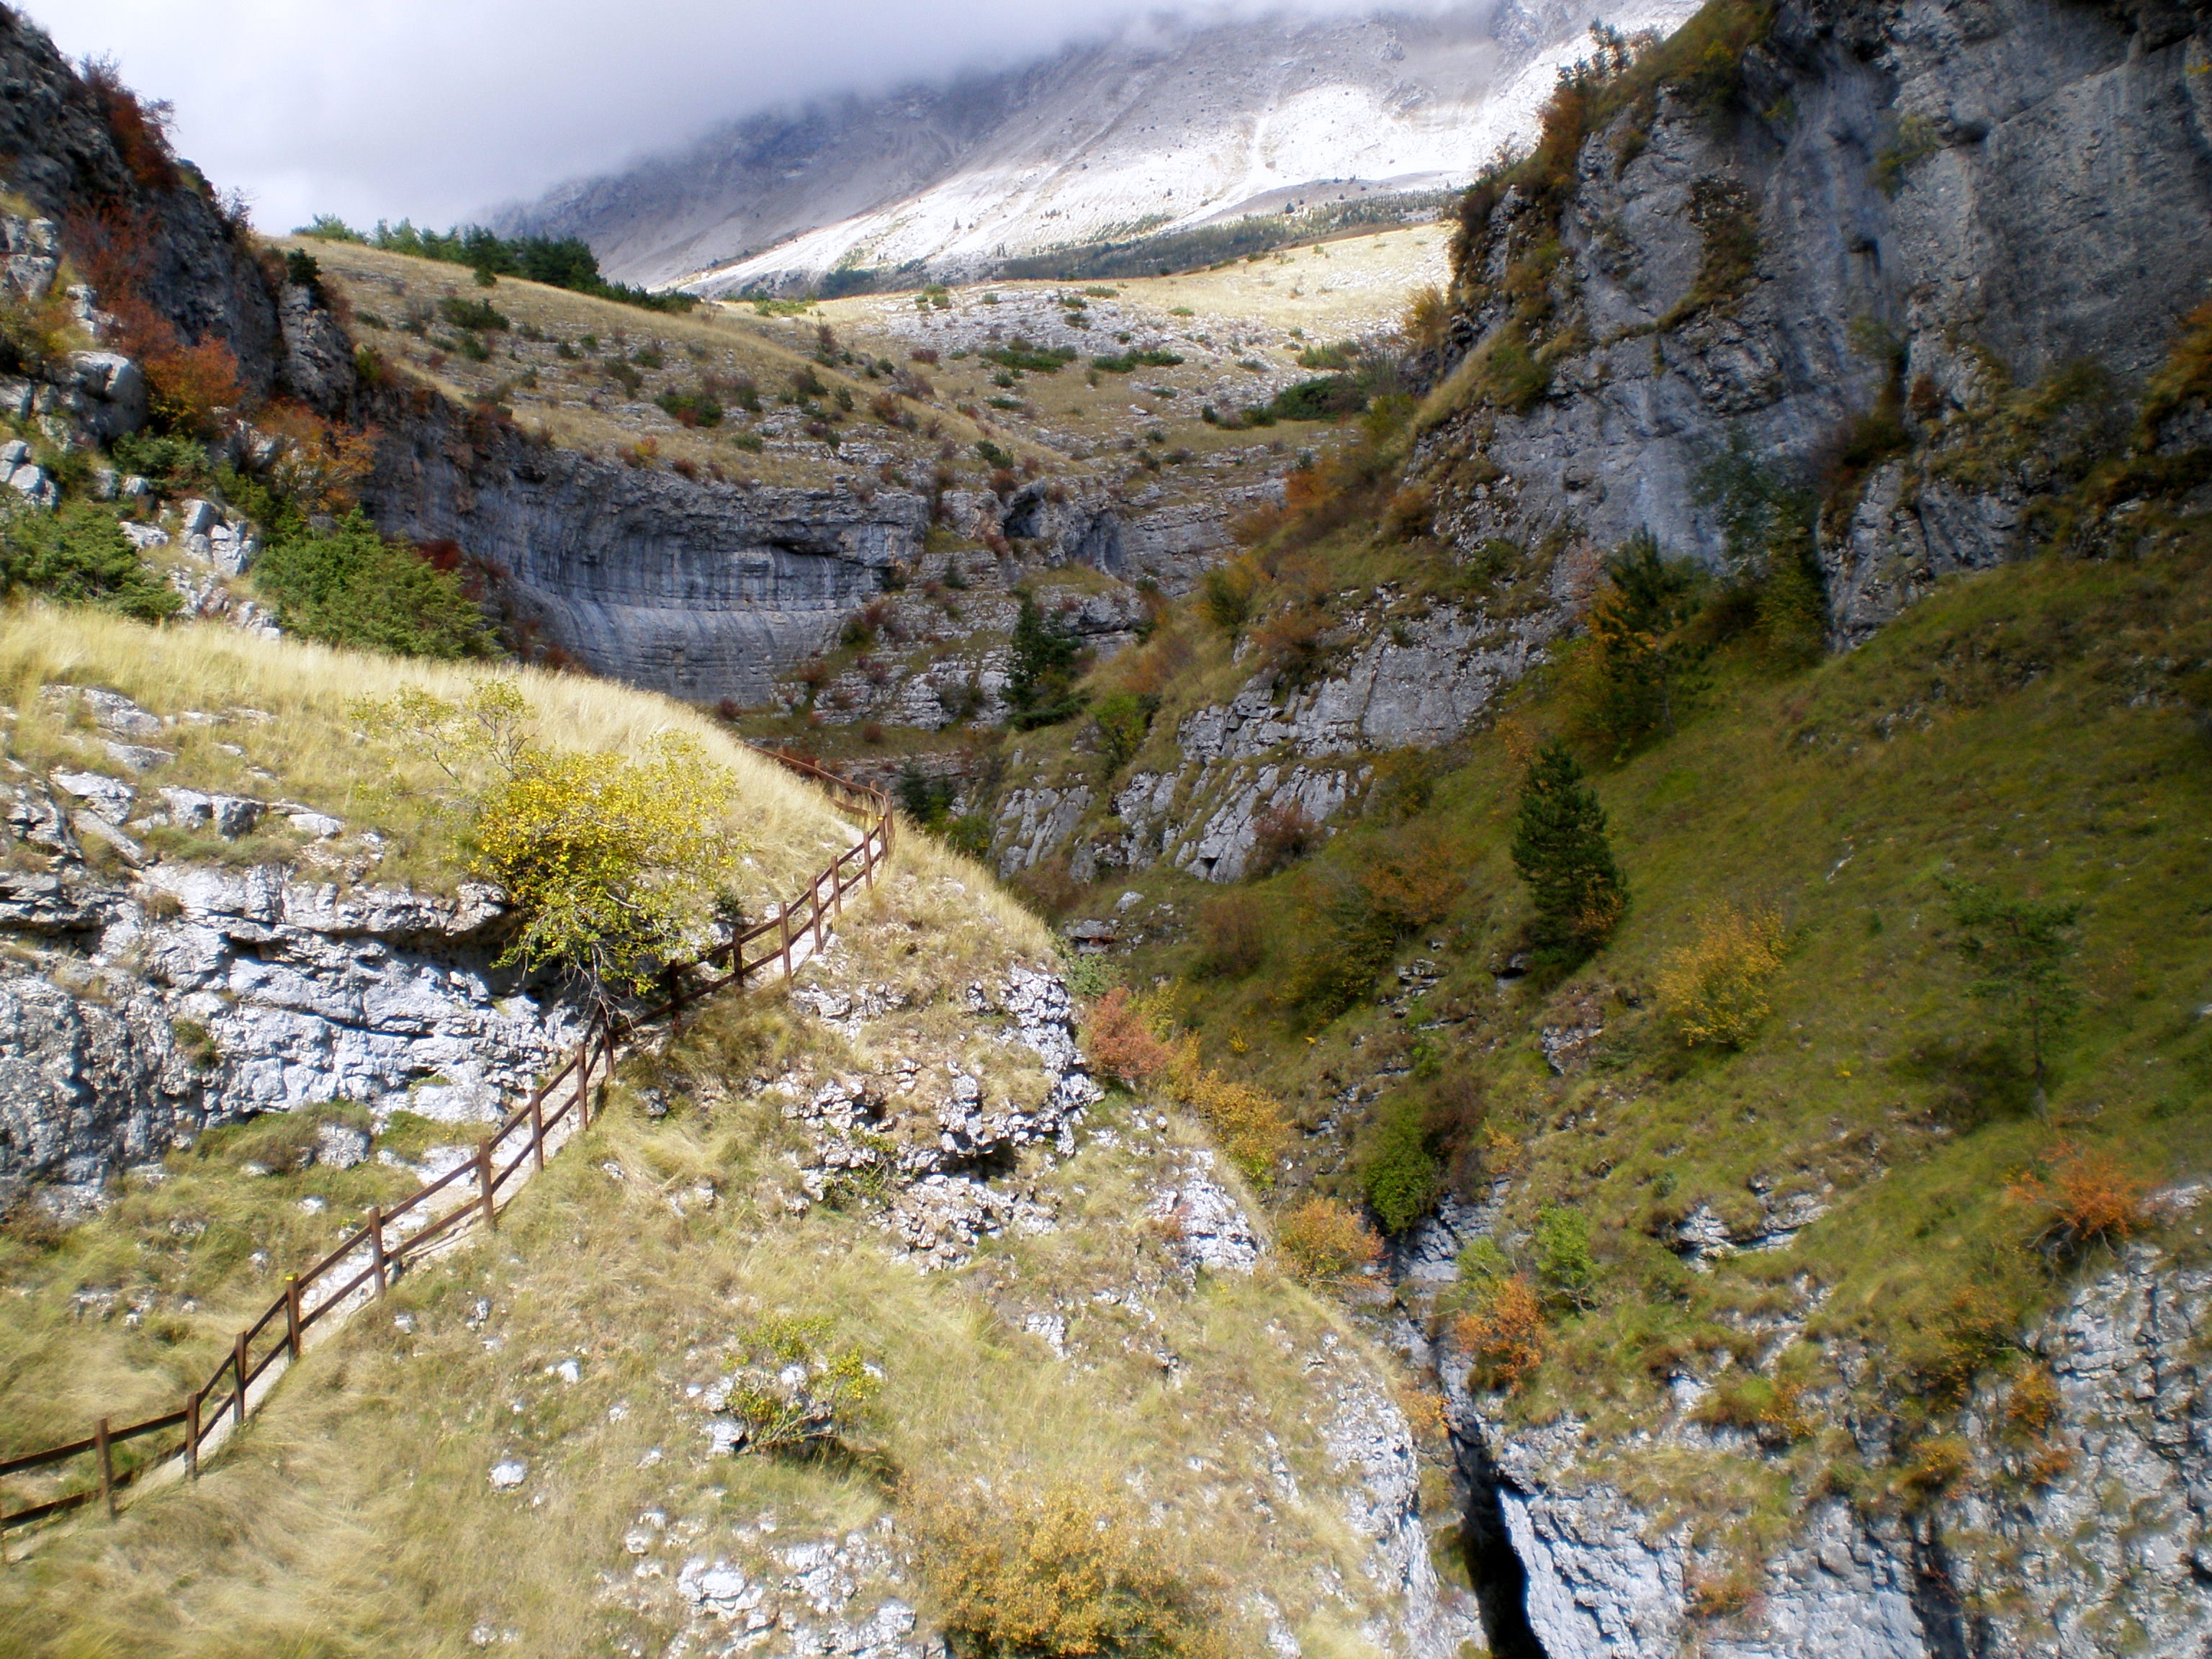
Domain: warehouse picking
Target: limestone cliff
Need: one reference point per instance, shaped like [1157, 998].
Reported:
[1838, 260]
[1897, 274]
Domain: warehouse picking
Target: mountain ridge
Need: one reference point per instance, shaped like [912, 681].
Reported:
[1092, 143]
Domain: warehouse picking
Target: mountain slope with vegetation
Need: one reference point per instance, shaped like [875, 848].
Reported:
[1698, 819]
[861, 1318]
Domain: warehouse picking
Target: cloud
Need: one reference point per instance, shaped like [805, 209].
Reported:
[437, 109]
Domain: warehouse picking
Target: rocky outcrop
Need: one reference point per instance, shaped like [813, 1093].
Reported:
[192, 264]
[139, 1006]
[1907, 210]
[926, 1134]
[1415, 683]
[2054, 1541]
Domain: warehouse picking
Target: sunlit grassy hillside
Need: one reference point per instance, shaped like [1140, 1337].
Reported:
[283, 718]
[2037, 729]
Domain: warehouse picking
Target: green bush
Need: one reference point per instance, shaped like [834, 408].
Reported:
[171, 464]
[1323, 400]
[1563, 1262]
[1021, 355]
[1228, 595]
[1649, 662]
[79, 556]
[353, 588]
[1124, 362]
[691, 408]
[473, 315]
[1401, 1172]
[1119, 726]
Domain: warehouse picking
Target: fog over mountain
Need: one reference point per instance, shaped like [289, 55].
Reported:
[1159, 125]
[414, 108]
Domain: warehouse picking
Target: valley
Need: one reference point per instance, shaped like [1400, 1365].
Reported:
[1541, 991]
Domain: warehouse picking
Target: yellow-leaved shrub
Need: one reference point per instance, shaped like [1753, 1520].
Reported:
[1325, 1241]
[1715, 989]
[1074, 1568]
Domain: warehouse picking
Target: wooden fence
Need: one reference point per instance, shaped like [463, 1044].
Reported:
[372, 1257]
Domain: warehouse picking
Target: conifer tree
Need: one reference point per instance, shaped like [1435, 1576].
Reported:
[1559, 847]
[1648, 671]
[2020, 949]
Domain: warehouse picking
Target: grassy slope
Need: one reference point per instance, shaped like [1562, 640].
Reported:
[193, 1237]
[315, 752]
[574, 401]
[2022, 728]
[355, 1517]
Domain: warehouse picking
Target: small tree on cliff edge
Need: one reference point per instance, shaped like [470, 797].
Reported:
[1559, 847]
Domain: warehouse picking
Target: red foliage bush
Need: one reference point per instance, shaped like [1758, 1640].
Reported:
[1121, 1041]
[141, 130]
[1281, 836]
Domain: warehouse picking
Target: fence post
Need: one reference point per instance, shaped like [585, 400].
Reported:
[292, 1312]
[537, 1127]
[483, 1183]
[583, 1085]
[376, 1245]
[783, 925]
[238, 1363]
[107, 1466]
[192, 1435]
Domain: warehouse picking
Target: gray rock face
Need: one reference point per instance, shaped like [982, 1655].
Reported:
[703, 591]
[1370, 1437]
[1207, 1228]
[196, 270]
[319, 362]
[1918, 174]
[2101, 1526]
[1399, 683]
[708, 590]
[135, 1012]
[1415, 686]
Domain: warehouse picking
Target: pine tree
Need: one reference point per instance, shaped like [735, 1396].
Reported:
[1648, 671]
[1041, 678]
[1559, 847]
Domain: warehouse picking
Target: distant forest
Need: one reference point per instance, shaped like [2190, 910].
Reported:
[566, 263]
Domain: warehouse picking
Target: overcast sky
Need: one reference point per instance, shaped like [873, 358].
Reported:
[438, 109]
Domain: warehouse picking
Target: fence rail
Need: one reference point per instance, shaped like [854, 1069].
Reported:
[378, 1253]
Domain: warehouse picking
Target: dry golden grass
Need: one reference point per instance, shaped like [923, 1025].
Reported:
[314, 751]
[354, 1516]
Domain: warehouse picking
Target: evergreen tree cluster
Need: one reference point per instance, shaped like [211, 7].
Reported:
[566, 262]
[1041, 680]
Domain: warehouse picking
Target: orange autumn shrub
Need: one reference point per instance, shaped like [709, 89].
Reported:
[1503, 1334]
[1325, 1242]
[1119, 1037]
[2083, 1196]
